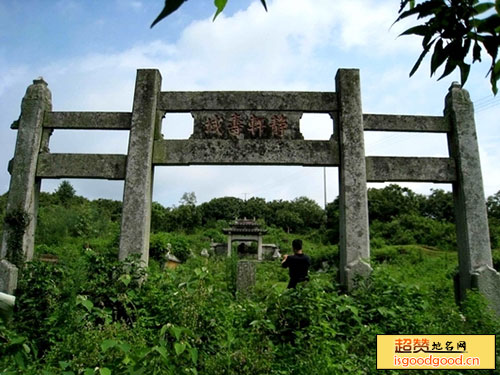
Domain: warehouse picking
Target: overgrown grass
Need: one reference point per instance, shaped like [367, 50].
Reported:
[90, 314]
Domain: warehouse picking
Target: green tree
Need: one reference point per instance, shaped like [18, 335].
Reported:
[439, 206]
[256, 207]
[65, 193]
[493, 205]
[333, 221]
[225, 208]
[187, 217]
[289, 220]
[310, 213]
[188, 199]
[391, 201]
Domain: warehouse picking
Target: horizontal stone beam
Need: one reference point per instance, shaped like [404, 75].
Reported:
[410, 169]
[246, 152]
[399, 123]
[186, 101]
[88, 120]
[98, 166]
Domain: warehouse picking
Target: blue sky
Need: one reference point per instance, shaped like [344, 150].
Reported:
[88, 51]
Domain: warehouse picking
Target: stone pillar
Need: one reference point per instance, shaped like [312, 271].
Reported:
[245, 279]
[259, 247]
[474, 249]
[354, 231]
[229, 244]
[137, 194]
[22, 201]
[8, 277]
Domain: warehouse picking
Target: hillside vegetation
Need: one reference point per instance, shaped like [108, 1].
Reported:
[87, 313]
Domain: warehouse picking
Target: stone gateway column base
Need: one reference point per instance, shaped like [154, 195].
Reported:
[487, 281]
[8, 277]
[353, 271]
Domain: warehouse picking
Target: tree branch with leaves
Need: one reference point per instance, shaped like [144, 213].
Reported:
[456, 31]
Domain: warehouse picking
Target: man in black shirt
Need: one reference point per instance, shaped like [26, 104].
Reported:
[297, 264]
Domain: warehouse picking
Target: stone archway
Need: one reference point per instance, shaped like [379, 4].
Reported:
[255, 128]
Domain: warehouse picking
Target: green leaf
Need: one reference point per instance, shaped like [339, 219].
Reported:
[177, 332]
[464, 72]
[125, 279]
[417, 30]
[438, 56]
[419, 61]
[476, 52]
[87, 304]
[488, 24]
[491, 45]
[170, 7]
[495, 76]
[194, 355]
[89, 371]
[483, 7]
[64, 365]
[220, 5]
[104, 371]
[124, 347]
[107, 344]
[179, 348]
[162, 351]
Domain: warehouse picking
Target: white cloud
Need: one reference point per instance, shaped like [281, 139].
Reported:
[297, 45]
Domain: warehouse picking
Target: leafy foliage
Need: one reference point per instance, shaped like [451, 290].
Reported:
[95, 317]
[16, 221]
[455, 29]
[172, 5]
[91, 314]
[65, 193]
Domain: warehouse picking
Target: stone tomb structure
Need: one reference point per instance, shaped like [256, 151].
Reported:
[244, 230]
[254, 128]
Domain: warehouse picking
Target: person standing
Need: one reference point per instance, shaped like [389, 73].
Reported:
[297, 264]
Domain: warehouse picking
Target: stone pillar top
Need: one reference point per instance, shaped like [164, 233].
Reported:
[38, 90]
[40, 80]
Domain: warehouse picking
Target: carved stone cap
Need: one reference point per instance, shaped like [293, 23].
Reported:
[40, 81]
[455, 85]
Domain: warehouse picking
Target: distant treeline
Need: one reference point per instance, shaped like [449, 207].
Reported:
[397, 216]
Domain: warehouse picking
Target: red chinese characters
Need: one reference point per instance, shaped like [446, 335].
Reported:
[240, 126]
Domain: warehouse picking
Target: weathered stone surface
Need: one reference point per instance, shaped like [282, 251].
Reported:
[246, 152]
[246, 125]
[274, 145]
[7, 302]
[108, 166]
[354, 232]
[186, 101]
[488, 283]
[382, 169]
[88, 120]
[136, 214]
[245, 279]
[470, 207]
[400, 123]
[24, 186]
[8, 277]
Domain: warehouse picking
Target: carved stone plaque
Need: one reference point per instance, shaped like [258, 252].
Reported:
[246, 125]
